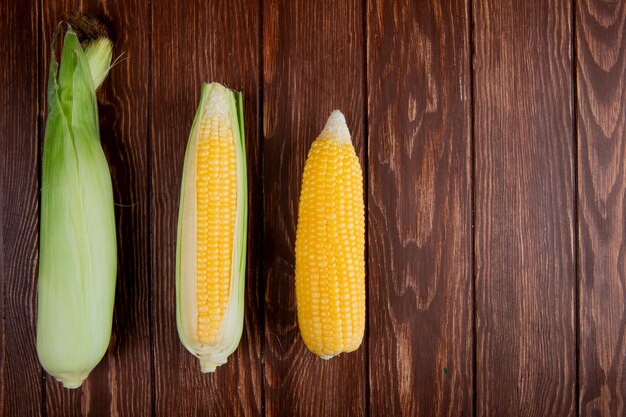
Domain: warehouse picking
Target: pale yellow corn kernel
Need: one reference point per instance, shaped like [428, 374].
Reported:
[330, 244]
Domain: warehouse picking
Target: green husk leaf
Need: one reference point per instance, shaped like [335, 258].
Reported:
[78, 251]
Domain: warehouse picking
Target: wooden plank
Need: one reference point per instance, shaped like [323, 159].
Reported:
[420, 246]
[312, 64]
[524, 209]
[120, 384]
[20, 374]
[601, 104]
[196, 42]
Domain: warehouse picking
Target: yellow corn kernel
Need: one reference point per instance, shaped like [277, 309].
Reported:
[216, 198]
[330, 245]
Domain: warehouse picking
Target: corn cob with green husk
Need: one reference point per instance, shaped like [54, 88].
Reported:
[77, 247]
[212, 227]
[330, 244]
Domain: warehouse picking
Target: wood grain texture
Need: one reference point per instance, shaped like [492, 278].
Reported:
[524, 209]
[548, 201]
[312, 64]
[120, 383]
[20, 374]
[601, 105]
[420, 246]
[195, 42]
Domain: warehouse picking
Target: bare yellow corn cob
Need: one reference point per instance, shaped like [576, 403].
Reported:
[212, 229]
[330, 244]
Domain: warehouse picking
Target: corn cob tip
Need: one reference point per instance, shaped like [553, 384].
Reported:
[218, 104]
[337, 128]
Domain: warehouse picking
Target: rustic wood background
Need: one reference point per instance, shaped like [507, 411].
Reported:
[492, 135]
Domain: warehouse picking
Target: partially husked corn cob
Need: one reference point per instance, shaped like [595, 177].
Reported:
[77, 246]
[330, 244]
[211, 249]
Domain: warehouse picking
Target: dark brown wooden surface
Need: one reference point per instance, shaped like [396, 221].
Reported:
[419, 209]
[601, 100]
[492, 139]
[524, 209]
[20, 373]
